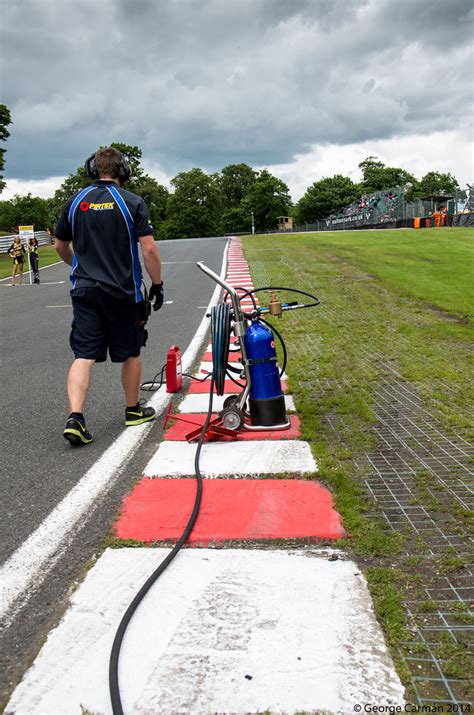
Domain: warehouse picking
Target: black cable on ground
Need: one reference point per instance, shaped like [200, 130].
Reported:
[151, 385]
[220, 335]
[126, 618]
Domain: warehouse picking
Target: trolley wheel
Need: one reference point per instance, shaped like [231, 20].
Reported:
[232, 418]
[231, 400]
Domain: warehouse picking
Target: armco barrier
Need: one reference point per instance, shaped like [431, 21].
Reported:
[6, 241]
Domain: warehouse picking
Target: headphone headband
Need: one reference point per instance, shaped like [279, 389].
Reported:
[91, 169]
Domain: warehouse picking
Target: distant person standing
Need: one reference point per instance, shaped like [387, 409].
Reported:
[98, 234]
[17, 252]
[32, 248]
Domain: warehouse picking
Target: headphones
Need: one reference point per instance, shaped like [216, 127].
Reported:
[91, 169]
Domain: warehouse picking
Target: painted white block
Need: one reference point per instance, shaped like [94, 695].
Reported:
[232, 459]
[301, 626]
[199, 402]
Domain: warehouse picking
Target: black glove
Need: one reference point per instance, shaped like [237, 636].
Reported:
[156, 292]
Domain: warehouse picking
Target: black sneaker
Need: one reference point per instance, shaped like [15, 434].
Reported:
[76, 432]
[138, 415]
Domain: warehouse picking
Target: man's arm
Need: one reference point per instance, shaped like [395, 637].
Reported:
[64, 250]
[151, 258]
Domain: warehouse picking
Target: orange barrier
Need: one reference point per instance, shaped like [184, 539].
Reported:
[416, 222]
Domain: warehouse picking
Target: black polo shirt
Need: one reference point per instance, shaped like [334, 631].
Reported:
[104, 223]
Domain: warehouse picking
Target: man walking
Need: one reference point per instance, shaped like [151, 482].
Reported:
[98, 235]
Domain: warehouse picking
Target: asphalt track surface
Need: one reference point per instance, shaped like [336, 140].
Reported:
[38, 467]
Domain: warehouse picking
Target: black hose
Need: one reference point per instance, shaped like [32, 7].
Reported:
[316, 300]
[282, 343]
[245, 292]
[220, 332]
[126, 618]
[151, 385]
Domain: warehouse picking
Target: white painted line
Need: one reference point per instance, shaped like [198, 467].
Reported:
[59, 306]
[233, 459]
[56, 263]
[167, 302]
[29, 565]
[33, 285]
[198, 402]
[302, 627]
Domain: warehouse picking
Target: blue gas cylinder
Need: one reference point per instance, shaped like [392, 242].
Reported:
[266, 400]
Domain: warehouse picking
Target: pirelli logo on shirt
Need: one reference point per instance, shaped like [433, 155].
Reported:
[86, 206]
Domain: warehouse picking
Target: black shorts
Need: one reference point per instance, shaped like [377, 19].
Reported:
[18, 261]
[103, 322]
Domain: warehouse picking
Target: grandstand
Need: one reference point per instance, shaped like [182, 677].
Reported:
[379, 206]
[390, 209]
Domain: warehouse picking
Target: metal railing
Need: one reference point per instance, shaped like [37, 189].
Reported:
[42, 237]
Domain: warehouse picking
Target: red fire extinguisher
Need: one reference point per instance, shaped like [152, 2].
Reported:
[174, 370]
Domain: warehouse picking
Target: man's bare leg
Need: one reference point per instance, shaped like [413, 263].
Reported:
[131, 376]
[78, 381]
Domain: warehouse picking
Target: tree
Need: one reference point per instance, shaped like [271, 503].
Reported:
[325, 197]
[154, 195]
[195, 207]
[234, 181]
[435, 183]
[5, 120]
[268, 198]
[236, 220]
[378, 177]
[6, 216]
[24, 210]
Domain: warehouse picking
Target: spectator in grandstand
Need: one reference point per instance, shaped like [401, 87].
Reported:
[32, 248]
[17, 252]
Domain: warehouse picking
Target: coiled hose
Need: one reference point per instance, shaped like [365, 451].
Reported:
[220, 339]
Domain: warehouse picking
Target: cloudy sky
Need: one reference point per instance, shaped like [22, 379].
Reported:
[308, 88]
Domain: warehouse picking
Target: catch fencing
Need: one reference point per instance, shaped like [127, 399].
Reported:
[42, 237]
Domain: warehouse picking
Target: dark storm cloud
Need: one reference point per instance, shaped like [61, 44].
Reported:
[206, 83]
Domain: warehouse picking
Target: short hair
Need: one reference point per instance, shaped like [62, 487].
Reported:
[108, 161]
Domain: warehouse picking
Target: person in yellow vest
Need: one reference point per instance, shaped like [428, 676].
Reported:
[32, 248]
[17, 252]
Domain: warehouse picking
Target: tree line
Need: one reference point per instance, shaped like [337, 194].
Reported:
[203, 204]
[200, 204]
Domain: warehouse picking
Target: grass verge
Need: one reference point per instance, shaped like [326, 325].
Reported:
[47, 256]
[396, 306]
